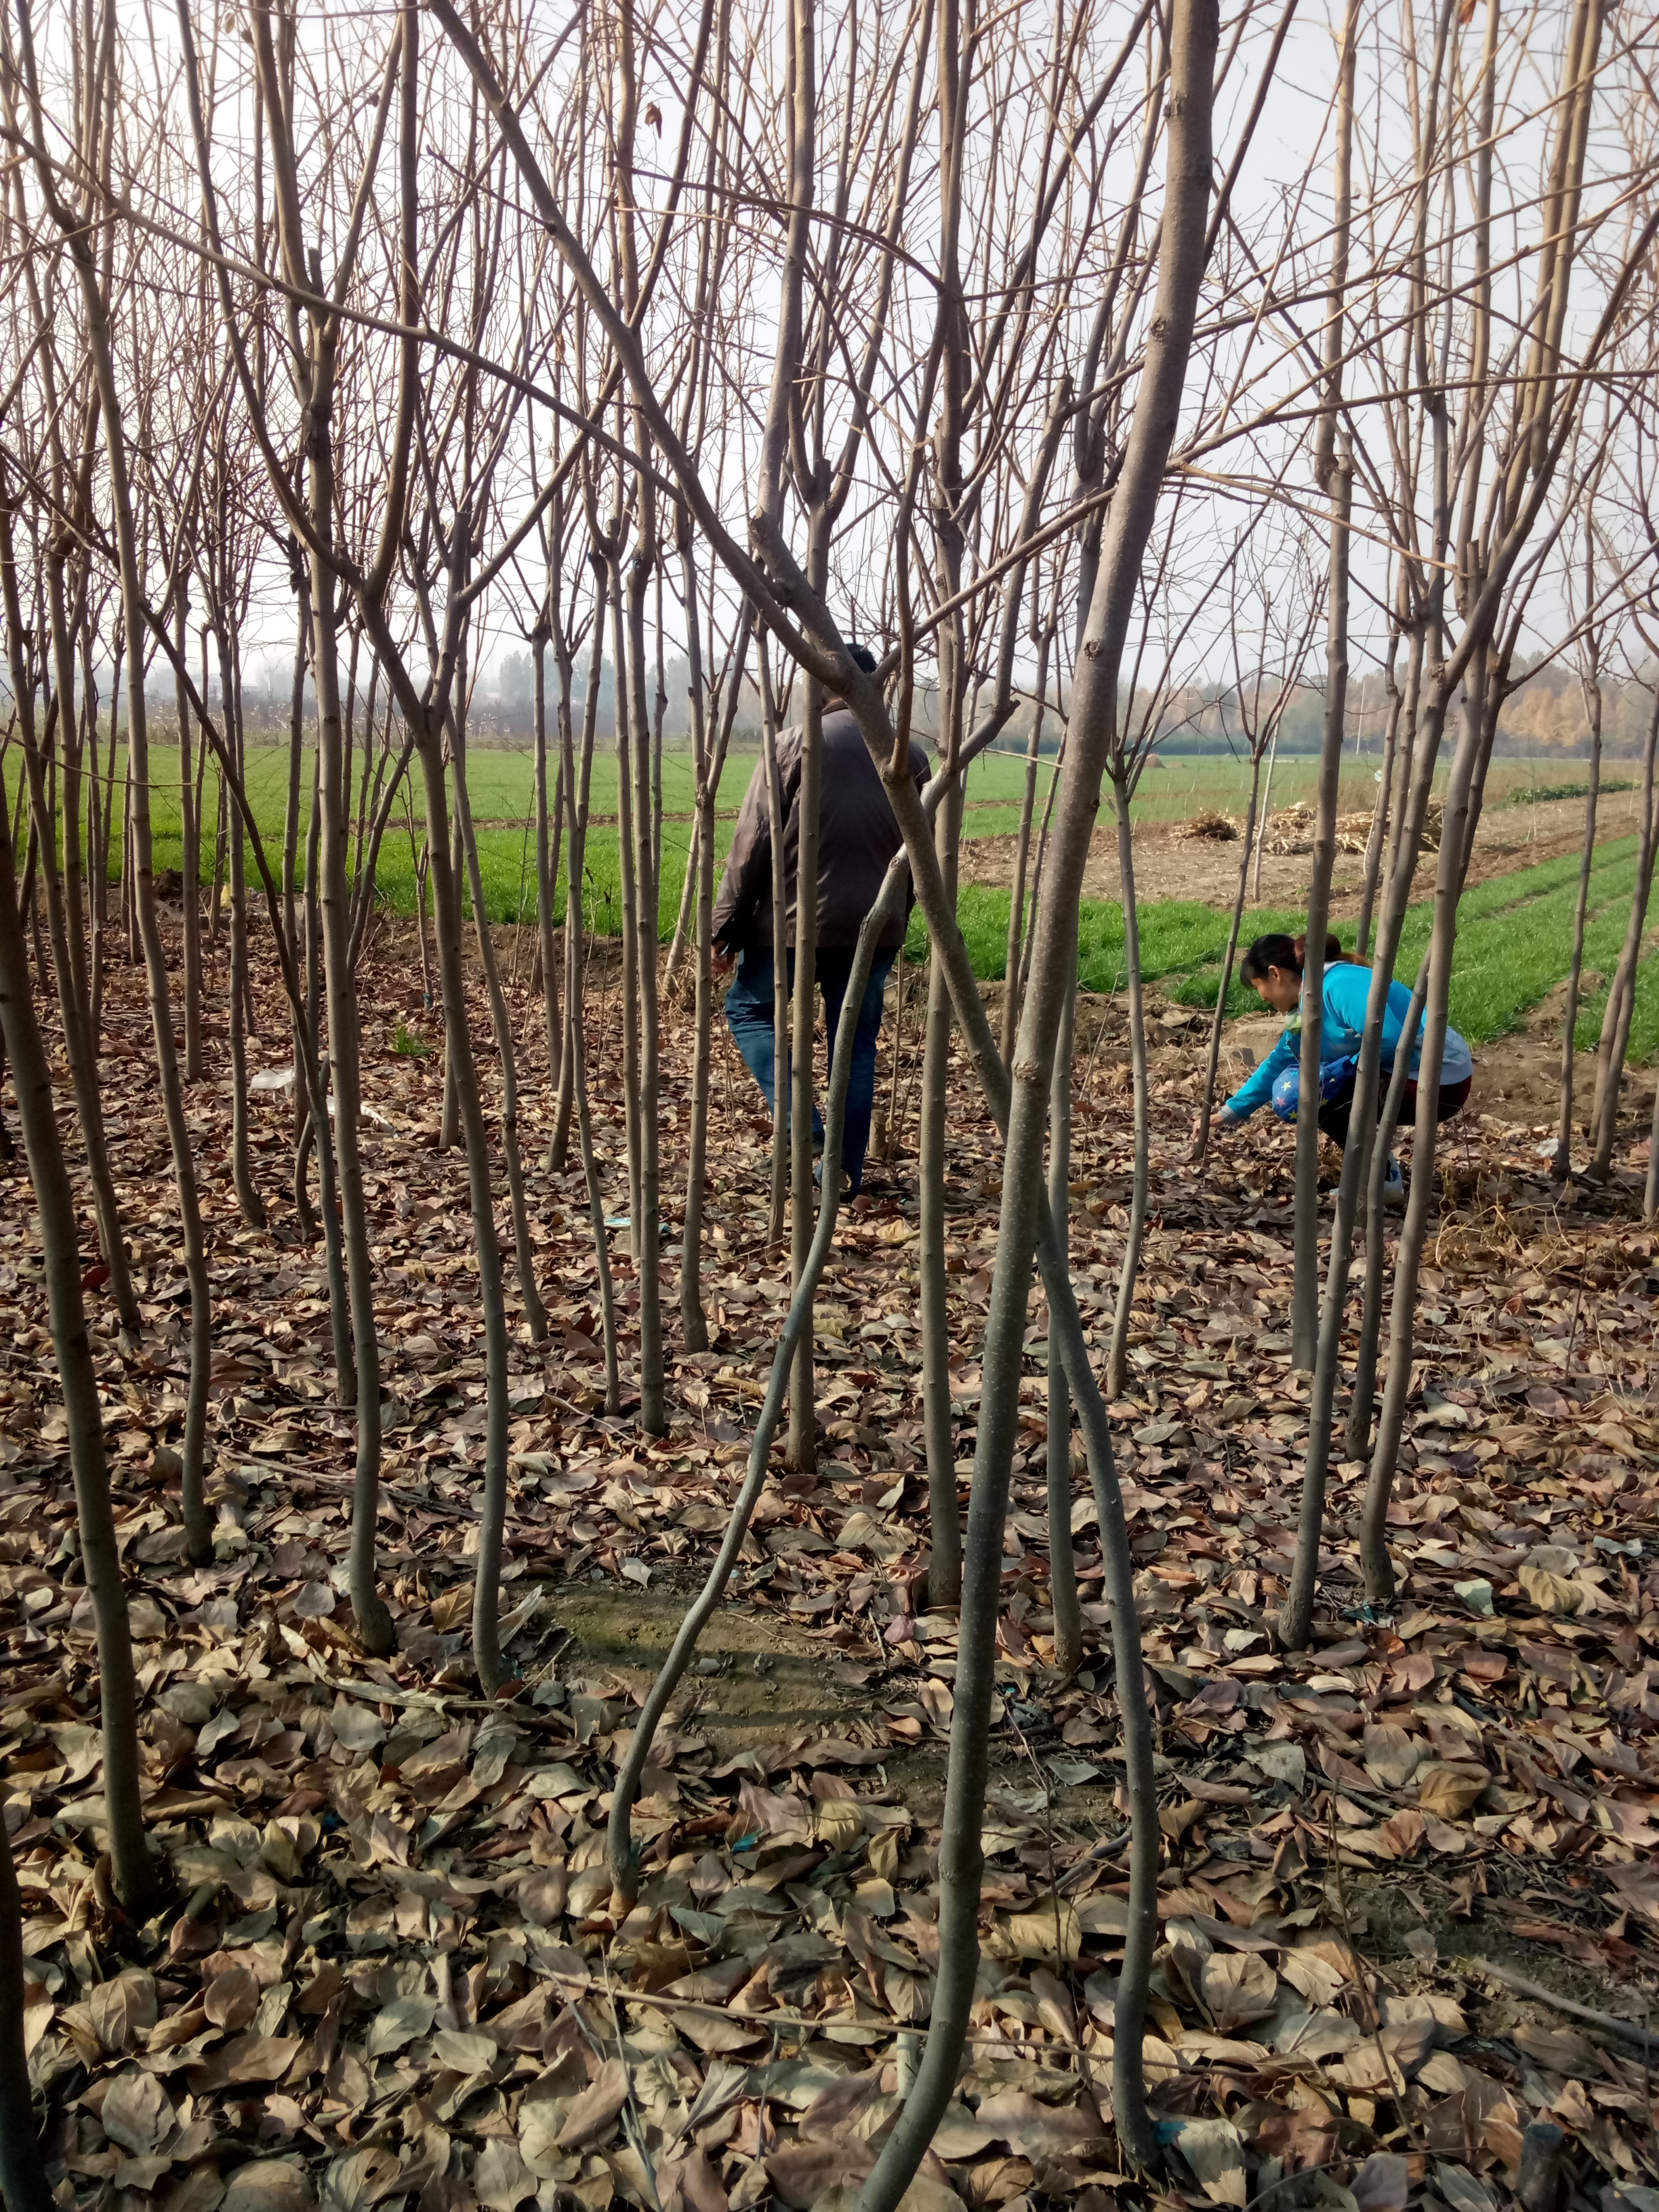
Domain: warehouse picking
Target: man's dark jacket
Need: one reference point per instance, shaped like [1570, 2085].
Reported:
[857, 837]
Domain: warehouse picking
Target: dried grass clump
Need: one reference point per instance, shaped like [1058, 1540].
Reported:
[1215, 828]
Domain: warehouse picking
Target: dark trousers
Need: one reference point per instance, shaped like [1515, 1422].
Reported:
[749, 1015]
[1333, 1114]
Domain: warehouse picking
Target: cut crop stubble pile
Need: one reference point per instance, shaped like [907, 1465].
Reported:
[387, 1973]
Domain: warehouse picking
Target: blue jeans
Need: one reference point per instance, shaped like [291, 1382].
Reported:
[749, 1016]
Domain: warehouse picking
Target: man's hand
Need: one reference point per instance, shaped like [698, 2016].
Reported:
[722, 962]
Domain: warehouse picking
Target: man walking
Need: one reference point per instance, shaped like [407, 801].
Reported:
[857, 837]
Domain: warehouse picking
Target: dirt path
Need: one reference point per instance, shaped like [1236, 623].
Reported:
[1170, 865]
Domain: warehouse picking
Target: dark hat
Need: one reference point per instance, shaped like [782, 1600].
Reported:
[861, 656]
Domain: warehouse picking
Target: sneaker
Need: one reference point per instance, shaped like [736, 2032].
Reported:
[846, 1180]
[1393, 1185]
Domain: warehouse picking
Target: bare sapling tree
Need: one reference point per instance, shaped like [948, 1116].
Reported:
[502, 1025]
[69, 610]
[1613, 1041]
[709, 758]
[1094, 716]
[1278, 625]
[68, 969]
[1589, 657]
[73, 226]
[1489, 548]
[1042, 636]
[575, 782]
[776, 816]
[313, 366]
[1333, 474]
[135, 1872]
[228, 566]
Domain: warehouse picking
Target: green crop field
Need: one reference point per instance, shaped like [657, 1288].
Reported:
[1515, 931]
[501, 788]
[1514, 938]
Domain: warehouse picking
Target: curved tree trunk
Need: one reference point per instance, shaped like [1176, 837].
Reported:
[1062, 1568]
[134, 1871]
[73, 1011]
[1212, 1056]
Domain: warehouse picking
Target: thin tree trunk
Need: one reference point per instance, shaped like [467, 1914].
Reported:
[933, 1145]
[1333, 472]
[1128, 1272]
[670, 967]
[648, 822]
[1062, 1570]
[198, 1528]
[891, 1148]
[190, 866]
[420, 873]
[547, 862]
[1305, 1295]
[1267, 816]
[374, 1621]
[780, 1084]
[801, 1446]
[1023, 852]
[134, 1869]
[291, 820]
[106, 847]
[575, 1010]
[1376, 843]
[524, 1251]
[694, 1322]
[1212, 1057]
[241, 1164]
[574, 1064]
[318, 1128]
[69, 974]
[1409, 1254]
[486, 1597]
[1562, 1161]
[1024, 1220]
[1621, 994]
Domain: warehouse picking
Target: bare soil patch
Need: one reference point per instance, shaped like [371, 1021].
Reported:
[1171, 866]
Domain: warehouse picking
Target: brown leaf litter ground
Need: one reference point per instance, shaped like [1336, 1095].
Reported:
[387, 1973]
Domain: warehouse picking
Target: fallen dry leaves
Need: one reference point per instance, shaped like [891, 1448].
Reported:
[387, 1972]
